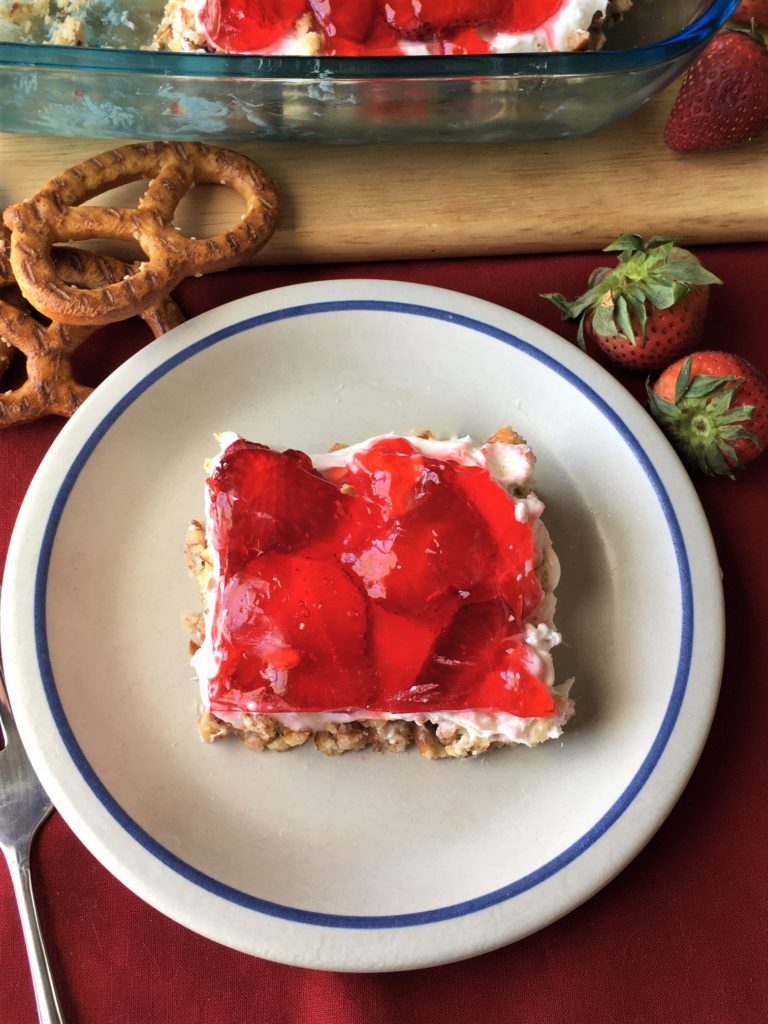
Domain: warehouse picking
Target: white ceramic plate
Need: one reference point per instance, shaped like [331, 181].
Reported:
[366, 862]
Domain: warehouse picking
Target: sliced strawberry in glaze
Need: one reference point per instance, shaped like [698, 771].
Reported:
[461, 41]
[400, 645]
[340, 20]
[294, 637]
[423, 541]
[517, 17]
[476, 665]
[464, 652]
[439, 549]
[248, 26]
[427, 16]
[263, 500]
[516, 580]
[514, 684]
[392, 475]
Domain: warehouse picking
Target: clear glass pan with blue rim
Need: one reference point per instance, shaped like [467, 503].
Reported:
[120, 93]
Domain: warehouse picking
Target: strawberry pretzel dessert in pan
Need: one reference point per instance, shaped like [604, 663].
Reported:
[394, 591]
[315, 28]
[347, 28]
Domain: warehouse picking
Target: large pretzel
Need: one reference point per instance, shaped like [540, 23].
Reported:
[9, 294]
[53, 215]
[50, 387]
[6, 349]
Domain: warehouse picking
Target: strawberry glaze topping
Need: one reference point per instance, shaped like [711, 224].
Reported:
[398, 583]
[371, 27]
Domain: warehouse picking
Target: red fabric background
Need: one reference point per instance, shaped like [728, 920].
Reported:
[680, 935]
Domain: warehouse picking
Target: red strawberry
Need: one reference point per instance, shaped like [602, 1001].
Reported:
[476, 663]
[294, 635]
[247, 26]
[350, 22]
[714, 406]
[392, 476]
[515, 579]
[648, 309]
[415, 19]
[399, 645]
[264, 500]
[752, 10]
[418, 562]
[723, 100]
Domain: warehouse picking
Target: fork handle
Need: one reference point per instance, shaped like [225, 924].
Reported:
[48, 1007]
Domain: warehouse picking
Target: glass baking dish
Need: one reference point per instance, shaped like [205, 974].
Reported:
[117, 93]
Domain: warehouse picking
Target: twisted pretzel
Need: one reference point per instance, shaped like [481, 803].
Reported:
[6, 353]
[50, 387]
[9, 293]
[53, 214]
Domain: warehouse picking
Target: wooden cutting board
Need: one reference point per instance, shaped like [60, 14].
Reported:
[403, 202]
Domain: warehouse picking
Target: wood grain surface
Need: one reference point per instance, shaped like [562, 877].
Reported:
[405, 202]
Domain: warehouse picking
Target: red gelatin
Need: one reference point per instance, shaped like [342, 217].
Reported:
[352, 23]
[249, 26]
[399, 583]
[370, 27]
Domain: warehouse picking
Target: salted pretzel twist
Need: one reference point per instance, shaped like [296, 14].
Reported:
[54, 214]
[6, 348]
[50, 386]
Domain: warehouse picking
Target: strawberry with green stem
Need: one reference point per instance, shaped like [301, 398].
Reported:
[647, 310]
[714, 407]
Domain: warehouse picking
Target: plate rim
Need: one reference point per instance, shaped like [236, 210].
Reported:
[403, 298]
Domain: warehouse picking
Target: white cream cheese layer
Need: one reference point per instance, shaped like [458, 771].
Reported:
[511, 465]
[562, 32]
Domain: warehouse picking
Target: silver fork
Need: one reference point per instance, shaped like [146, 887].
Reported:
[24, 805]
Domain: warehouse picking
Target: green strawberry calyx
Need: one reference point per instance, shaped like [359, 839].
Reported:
[703, 422]
[653, 273]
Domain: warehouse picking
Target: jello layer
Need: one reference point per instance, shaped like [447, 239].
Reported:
[393, 579]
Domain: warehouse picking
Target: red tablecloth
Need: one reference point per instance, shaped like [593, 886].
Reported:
[680, 935]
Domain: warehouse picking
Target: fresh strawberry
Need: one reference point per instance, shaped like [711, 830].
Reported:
[714, 406]
[647, 310]
[723, 100]
[751, 10]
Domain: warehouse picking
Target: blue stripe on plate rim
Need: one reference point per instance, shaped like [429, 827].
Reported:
[295, 914]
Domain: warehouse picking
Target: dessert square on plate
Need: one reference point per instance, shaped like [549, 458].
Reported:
[399, 589]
